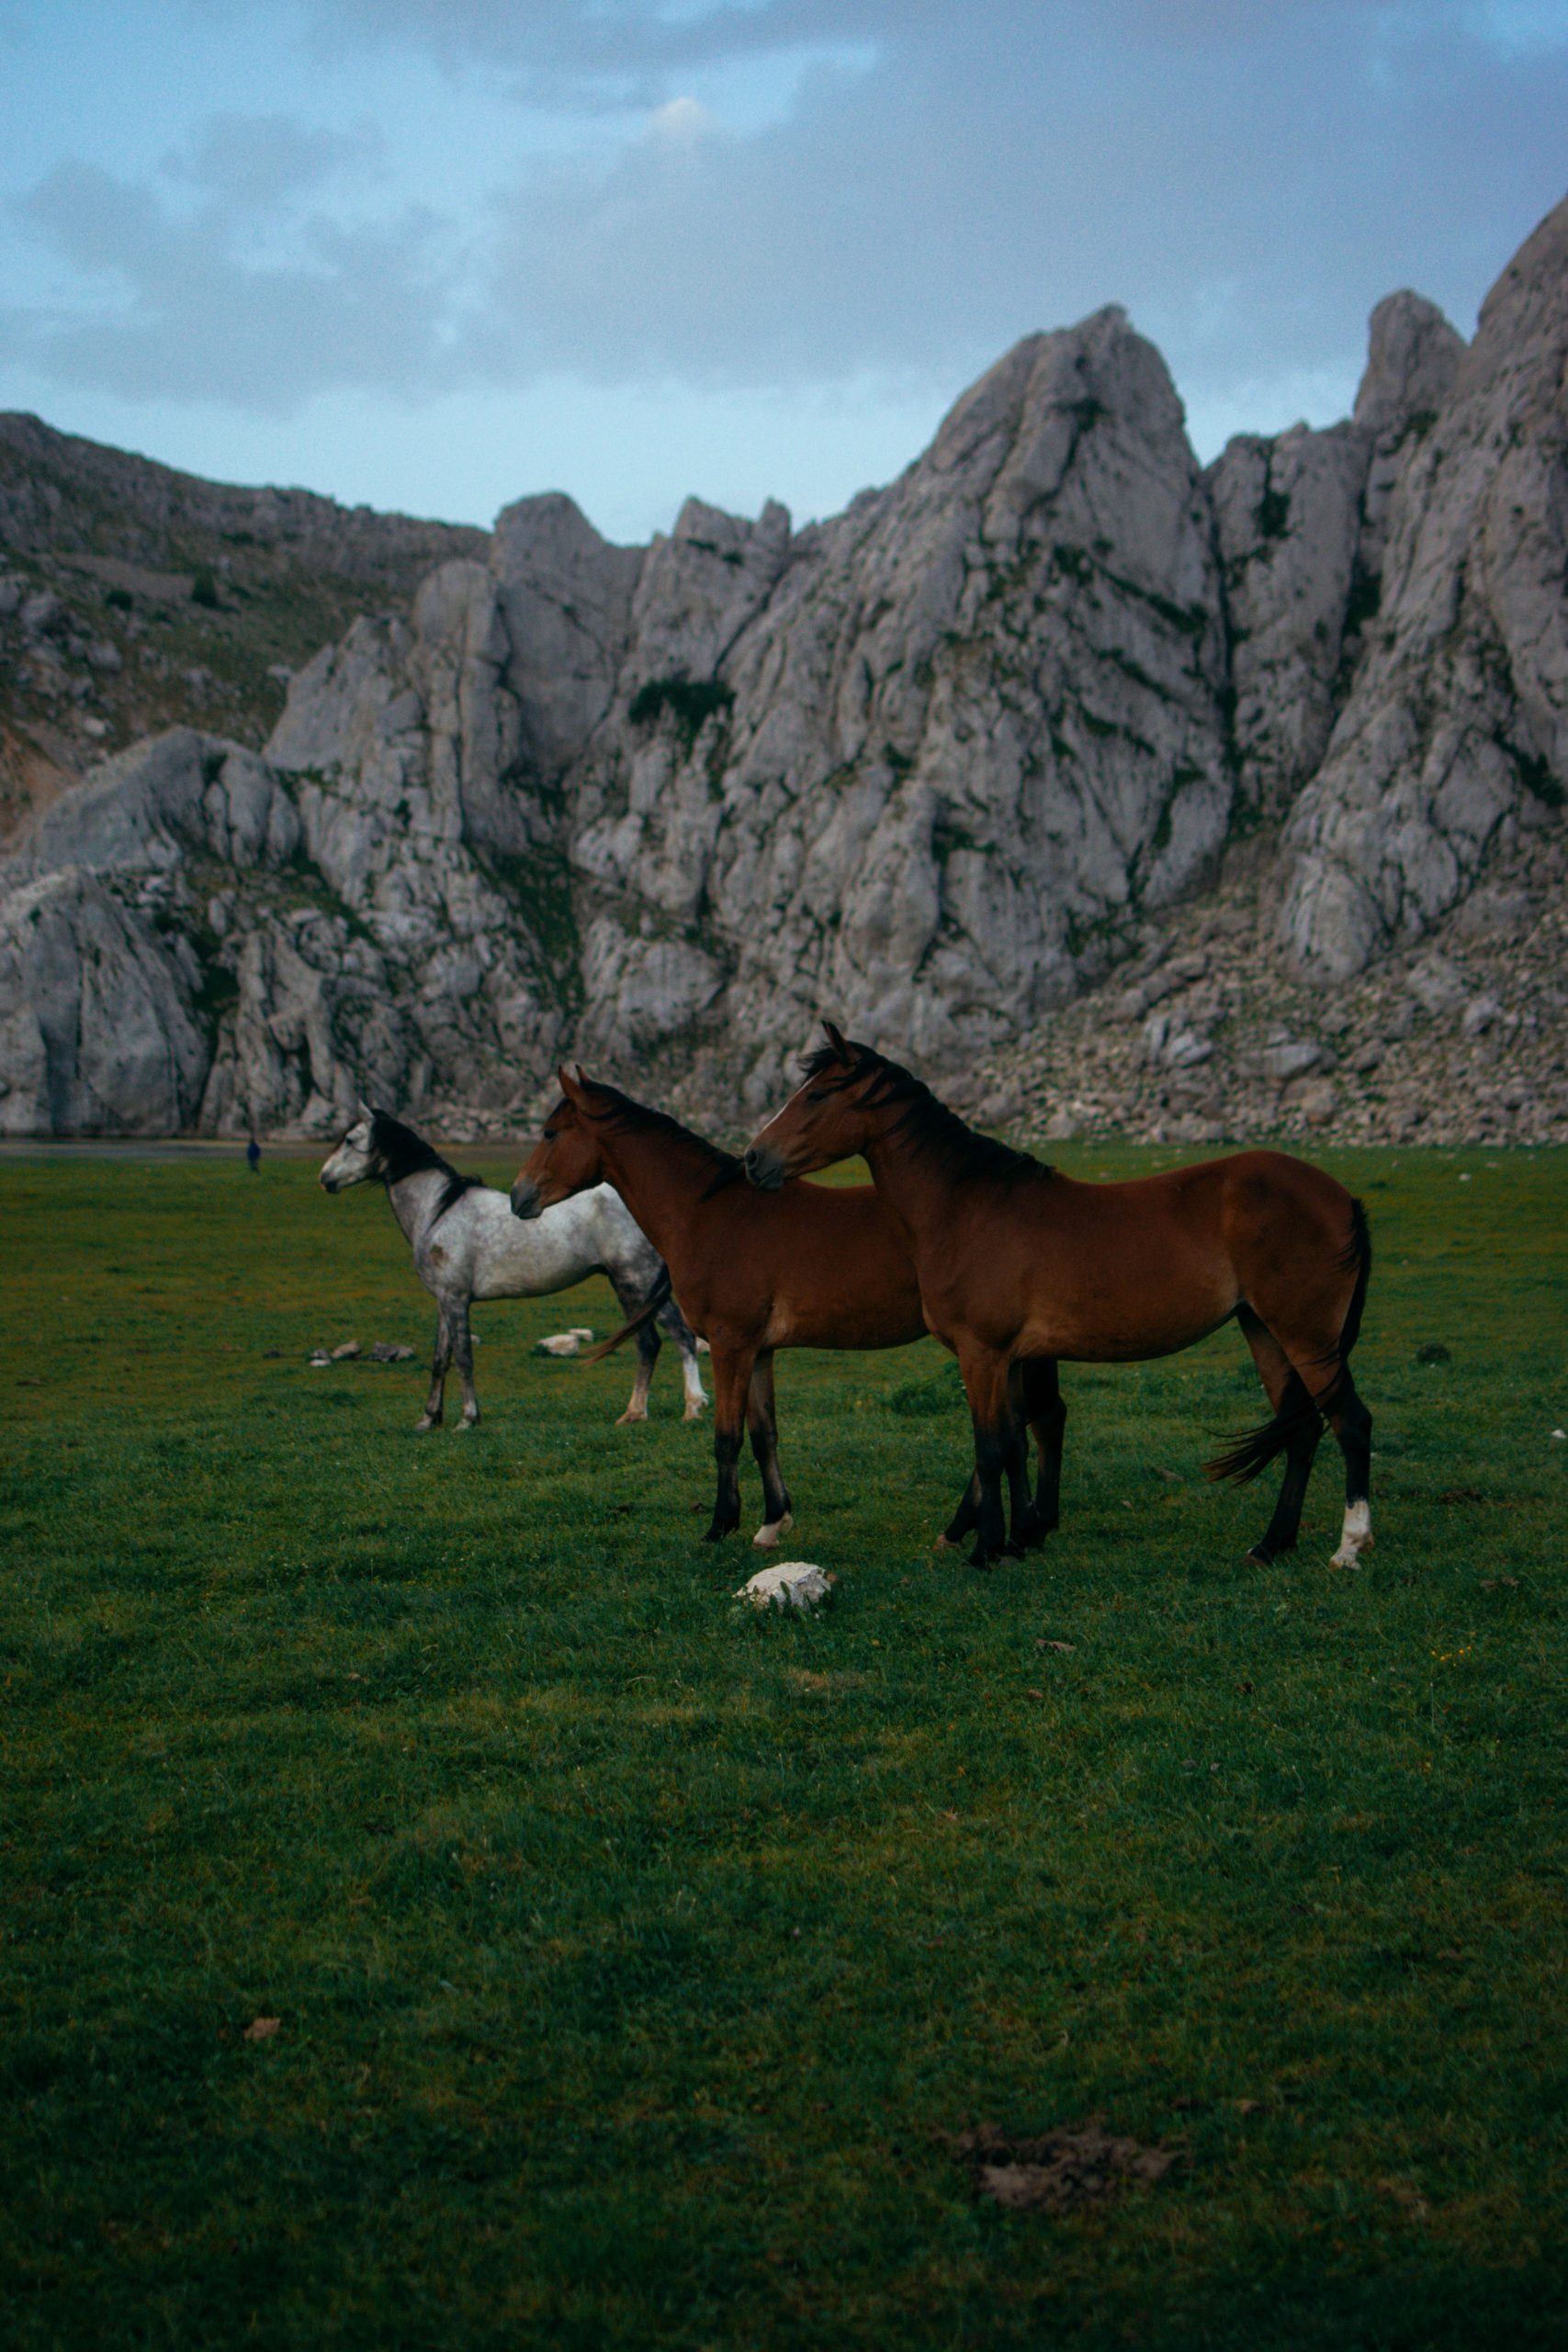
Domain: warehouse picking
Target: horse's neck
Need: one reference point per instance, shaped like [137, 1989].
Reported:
[913, 1192]
[413, 1198]
[661, 1178]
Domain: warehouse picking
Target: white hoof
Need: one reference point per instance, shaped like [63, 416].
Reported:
[1355, 1536]
[468, 1421]
[426, 1422]
[766, 1539]
[632, 1413]
[695, 1407]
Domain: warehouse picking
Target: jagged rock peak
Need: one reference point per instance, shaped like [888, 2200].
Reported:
[1454, 737]
[698, 589]
[1522, 317]
[566, 598]
[1412, 357]
[1024, 416]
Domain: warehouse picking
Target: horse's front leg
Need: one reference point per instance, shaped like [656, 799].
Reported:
[778, 1512]
[463, 1351]
[987, 1386]
[1037, 1401]
[431, 1417]
[963, 1519]
[732, 1385]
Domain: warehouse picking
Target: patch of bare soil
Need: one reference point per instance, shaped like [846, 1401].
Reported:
[1058, 2171]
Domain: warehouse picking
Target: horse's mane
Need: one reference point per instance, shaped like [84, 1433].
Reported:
[624, 1115]
[940, 1134]
[404, 1153]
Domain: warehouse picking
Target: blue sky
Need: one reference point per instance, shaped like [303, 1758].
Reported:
[437, 253]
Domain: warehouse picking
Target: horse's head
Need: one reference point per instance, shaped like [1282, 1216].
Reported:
[357, 1159]
[827, 1118]
[566, 1159]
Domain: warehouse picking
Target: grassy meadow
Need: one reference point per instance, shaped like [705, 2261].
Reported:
[634, 1962]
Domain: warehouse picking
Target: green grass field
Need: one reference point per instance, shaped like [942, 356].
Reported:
[636, 1961]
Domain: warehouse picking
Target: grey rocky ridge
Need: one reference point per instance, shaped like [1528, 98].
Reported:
[1112, 791]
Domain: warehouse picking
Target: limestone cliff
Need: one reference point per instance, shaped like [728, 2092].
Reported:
[948, 765]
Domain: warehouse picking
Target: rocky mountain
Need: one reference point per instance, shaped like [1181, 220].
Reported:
[133, 597]
[1110, 789]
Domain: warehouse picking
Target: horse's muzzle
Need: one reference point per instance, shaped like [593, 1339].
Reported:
[764, 1169]
[526, 1201]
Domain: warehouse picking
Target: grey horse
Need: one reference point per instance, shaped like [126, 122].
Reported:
[466, 1244]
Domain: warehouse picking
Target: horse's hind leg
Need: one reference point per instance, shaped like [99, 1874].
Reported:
[1352, 1425]
[1324, 1373]
[778, 1514]
[677, 1328]
[647, 1339]
[1288, 1396]
[431, 1417]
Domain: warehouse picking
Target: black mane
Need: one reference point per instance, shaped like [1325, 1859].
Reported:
[940, 1134]
[402, 1153]
[624, 1115]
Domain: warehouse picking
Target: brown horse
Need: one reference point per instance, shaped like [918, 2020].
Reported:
[1016, 1263]
[810, 1266]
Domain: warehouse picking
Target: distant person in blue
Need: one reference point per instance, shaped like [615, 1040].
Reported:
[252, 1155]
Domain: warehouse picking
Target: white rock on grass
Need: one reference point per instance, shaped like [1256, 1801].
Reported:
[565, 1343]
[789, 1584]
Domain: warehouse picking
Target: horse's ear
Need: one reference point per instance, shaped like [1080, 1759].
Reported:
[365, 1110]
[571, 1087]
[838, 1042]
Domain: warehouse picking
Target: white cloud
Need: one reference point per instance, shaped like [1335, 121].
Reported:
[1247, 179]
[681, 121]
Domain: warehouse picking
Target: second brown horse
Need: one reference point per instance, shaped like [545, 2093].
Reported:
[805, 1266]
[1018, 1262]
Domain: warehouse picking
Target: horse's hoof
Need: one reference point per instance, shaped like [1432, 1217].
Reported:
[766, 1539]
[945, 1543]
[624, 1420]
[1258, 1556]
[715, 1534]
[979, 1557]
[424, 1423]
[695, 1412]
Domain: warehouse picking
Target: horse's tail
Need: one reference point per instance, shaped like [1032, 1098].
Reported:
[1359, 1254]
[645, 1314]
[1251, 1454]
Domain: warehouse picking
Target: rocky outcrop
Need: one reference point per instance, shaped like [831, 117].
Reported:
[300, 942]
[133, 598]
[1301, 521]
[96, 1033]
[966, 764]
[1454, 736]
[973, 723]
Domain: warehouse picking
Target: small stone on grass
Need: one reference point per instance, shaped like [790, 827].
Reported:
[789, 1584]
